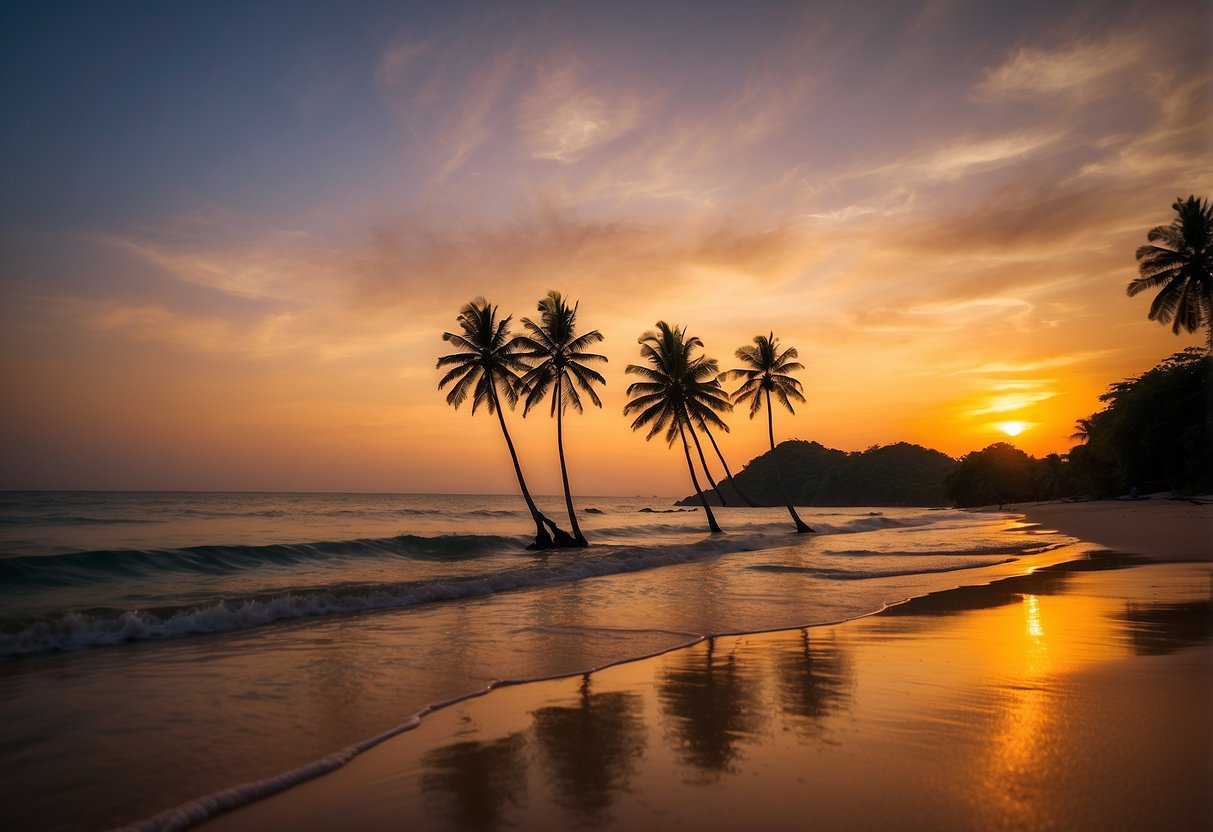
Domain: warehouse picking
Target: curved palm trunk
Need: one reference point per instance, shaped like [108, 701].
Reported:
[728, 473]
[801, 526]
[564, 472]
[704, 464]
[543, 540]
[686, 449]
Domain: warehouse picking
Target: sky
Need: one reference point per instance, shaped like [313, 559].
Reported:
[232, 234]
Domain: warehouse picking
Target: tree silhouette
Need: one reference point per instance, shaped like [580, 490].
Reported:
[558, 358]
[766, 372]
[1082, 430]
[815, 678]
[1179, 263]
[591, 749]
[677, 388]
[475, 783]
[710, 700]
[728, 474]
[487, 368]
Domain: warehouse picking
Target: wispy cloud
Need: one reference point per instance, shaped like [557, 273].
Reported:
[563, 118]
[1075, 70]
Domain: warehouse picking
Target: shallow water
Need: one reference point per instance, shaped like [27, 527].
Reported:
[161, 647]
[1069, 700]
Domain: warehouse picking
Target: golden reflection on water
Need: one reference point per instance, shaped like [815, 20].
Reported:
[1032, 613]
[984, 710]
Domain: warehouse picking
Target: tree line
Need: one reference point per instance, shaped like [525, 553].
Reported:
[1155, 433]
[679, 391]
[1156, 430]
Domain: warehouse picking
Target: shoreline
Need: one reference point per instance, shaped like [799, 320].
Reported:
[129, 731]
[389, 784]
[1183, 541]
[1157, 527]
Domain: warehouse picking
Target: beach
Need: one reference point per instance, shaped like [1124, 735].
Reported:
[159, 649]
[1074, 697]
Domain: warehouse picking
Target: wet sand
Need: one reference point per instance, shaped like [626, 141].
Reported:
[1157, 527]
[1076, 697]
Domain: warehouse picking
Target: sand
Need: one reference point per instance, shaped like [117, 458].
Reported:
[1157, 527]
[1076, 697]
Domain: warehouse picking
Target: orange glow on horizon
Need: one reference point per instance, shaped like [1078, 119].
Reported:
[268, 317]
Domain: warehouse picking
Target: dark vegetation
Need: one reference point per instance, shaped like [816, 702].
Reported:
[892, 475]
[1155, 433]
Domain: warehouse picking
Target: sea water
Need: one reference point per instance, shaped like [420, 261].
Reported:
[159, 647]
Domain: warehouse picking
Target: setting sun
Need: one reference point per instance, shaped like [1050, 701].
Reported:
[1012, 428]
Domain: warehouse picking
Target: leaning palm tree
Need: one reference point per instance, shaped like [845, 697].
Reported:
[766, 372]
[487, 368]
[1179, 263]
[728, 474]
[557, 356]
[676, 388]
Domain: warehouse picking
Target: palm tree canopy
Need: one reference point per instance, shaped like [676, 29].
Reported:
[487, 358]
[555, 351]
[767, 369]
[677, 386]
[1179, 263]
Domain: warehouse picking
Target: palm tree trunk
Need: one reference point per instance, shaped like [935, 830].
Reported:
[801, 526]
[712, 525]
[543, 540]
[704, 463]
[564, 471]
[1209, 325]
[727, 472]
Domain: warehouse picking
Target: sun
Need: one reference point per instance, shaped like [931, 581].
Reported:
[1012, 428]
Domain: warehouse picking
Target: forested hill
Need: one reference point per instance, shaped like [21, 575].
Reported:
[892, 475]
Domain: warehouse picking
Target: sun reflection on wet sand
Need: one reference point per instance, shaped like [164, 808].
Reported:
[1076, 699]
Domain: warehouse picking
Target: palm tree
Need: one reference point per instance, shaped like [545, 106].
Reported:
[727, 473]
[703, 462]
[1082, 430]
[558, 356]
[676, 389]
[487, 367]
[1181, 268]
[766, 372]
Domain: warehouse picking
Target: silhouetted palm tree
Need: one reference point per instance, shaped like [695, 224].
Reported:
[728, 474]
[1082, 430]
[677, 388]
[703, 461]
[1180, 266]
[558, 358]
[487, 367]
[766, 372]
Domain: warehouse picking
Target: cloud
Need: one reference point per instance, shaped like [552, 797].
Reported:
[564, 119]
[1033, 365]
[281, 265]
[290, 293]
[450, 104]
[962, 158]
[958, 159]
[1077, 69]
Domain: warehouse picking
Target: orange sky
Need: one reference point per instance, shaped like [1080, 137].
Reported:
[229, 266]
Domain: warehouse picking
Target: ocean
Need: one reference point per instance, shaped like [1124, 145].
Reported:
[156, 648]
